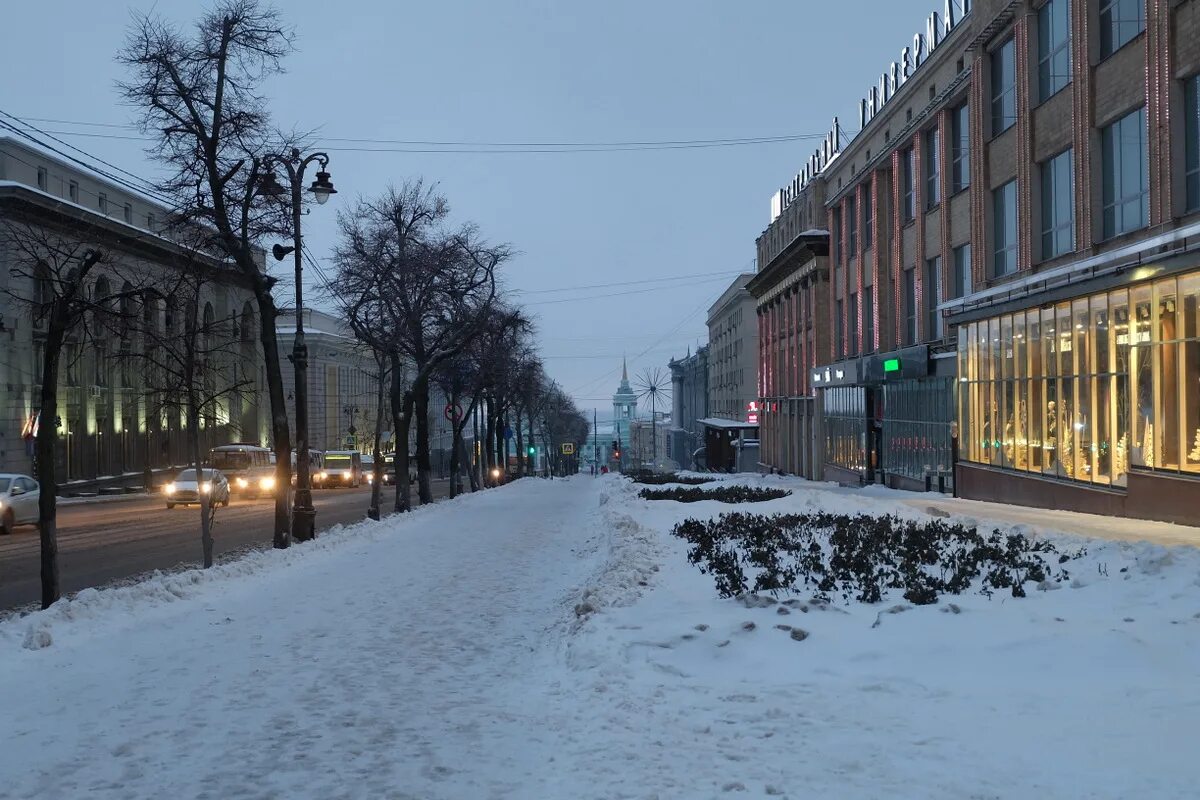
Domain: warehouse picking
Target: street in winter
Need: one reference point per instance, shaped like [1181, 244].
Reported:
[550, 639]
[654, 400]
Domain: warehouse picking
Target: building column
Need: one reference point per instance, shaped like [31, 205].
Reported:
[861, 210]
[946, 289]
[919, 204]
[1024, 133]
[1081, 122]
[1158, 98]
[877, 260]
[897, 250]
[980, 201]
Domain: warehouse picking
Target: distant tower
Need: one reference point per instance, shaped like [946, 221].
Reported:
[624, 408]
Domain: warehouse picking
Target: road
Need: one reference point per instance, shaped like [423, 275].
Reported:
[106, 541]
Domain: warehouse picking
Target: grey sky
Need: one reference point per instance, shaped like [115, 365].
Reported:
[537, 71]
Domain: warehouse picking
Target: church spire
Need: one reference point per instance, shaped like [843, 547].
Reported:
[624, 370]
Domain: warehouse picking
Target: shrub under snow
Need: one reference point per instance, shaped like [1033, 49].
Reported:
[865, 557]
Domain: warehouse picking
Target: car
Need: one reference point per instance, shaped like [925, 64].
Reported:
[19, 495]
[342, 468]
[255, 482]
[187, 488]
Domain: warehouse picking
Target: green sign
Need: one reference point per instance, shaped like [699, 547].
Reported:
[891, 365]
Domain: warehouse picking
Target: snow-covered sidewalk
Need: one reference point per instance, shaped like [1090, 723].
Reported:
[550, 640]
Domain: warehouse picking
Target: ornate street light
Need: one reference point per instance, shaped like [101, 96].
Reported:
[303, 513]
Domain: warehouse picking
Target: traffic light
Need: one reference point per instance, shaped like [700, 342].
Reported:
[532, 450]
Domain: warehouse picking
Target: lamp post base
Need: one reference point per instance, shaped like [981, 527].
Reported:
[304, 518]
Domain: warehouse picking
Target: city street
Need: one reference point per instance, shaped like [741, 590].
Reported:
[103, 541]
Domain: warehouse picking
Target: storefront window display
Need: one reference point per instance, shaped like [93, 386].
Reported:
[1086, 389]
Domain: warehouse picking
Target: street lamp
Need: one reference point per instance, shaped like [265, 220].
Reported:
[303, 513]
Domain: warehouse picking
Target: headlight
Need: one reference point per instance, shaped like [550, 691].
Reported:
[206, 487]
[169, 488]
[322, 476]
[370, 478]
[267, 483]
[346, 474]
[242, 483]
[495, 473]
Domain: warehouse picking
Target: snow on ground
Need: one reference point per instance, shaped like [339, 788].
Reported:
[549, 639]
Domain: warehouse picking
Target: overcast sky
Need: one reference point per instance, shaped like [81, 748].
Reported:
[535, 71]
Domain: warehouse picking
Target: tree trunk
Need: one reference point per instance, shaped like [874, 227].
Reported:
[44, 448]
[377, 455]
[280, 430]
[401, 414]
[421, 398]
[520, 447]
[206, 539]
[474, 462]
[532, 459]
[489, 446]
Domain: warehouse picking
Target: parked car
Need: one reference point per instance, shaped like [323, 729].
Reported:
[187, 488]
[19, 496]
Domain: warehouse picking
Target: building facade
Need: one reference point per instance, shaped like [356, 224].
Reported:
[113, 422]
[732, 351]
[1079, 344]
[1012, 269]
[342, 387]
[650, 443]
[689, 405]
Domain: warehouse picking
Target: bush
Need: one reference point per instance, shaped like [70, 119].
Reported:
[864, 557]
[661, 478]
[732, 493]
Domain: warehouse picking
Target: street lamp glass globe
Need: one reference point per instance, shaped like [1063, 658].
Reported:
[322, 187]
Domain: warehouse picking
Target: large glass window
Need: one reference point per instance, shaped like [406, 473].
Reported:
[835, 235]
[1054, 47]
[933, 168]
[1087, 389]
[852, 321]
[907, 207]
[933, 296]
[1058, 205]
[917, 431]
[962, 271]
[910, 306]
[1120, 22]
[839, 324]
[1004, 87]
[1191, 145]
[845, 423]
[960, 149]
[1126, 176]
[1004, 229]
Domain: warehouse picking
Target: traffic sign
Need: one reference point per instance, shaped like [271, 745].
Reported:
[453, 412]
[568, 449]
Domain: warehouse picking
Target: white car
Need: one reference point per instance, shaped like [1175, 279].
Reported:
[186, 490]
[19, 496]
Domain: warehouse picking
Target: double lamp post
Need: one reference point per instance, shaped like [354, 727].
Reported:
[303, 513]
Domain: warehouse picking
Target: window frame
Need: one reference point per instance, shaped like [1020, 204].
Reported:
[960, 148]
[1009, 248]
[1113, 46]
[1049, 51]
[1052, 227]
[1191, 143]
[1121, 199]
[911, 329]
[933, 168]
[1004, 98]
[962, 269]
[908, 200]
[932, 286]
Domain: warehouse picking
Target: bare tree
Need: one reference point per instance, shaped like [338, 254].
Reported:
[434, 289]
[192, 367]
[53, 274]
[197, 94]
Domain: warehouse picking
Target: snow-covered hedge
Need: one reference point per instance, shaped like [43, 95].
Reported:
[662, 478]
[865, 557]
[729, 493]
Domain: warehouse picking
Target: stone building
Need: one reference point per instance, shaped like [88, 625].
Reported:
[732, 351]
[111, 424]
[689, 405]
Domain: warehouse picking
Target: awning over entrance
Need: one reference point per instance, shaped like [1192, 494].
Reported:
[726, 424]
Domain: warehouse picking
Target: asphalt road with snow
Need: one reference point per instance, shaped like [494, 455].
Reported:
[110, 540]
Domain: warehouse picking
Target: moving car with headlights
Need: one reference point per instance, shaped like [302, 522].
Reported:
[342, 468]
[190, 484]
[247, 467]
[368, 467]
[19, 495]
